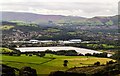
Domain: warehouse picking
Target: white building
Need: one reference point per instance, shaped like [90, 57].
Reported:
[75, 40]
[47, 41]
[34, 41]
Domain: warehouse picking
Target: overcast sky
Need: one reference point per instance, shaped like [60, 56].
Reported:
[84, 8]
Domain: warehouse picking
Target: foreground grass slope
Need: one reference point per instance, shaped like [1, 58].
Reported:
[49, 63]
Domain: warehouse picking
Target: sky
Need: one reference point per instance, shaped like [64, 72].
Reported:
[83, 8]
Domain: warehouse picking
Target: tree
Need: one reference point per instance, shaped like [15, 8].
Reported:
[48, 51]
[30, 54]
[110, 62]
[71, 53]
[41, 54]
[61, 52]
[27, 71]
[11, 54]
[109, 22]
[117, 57]
[88, 54]
[18, 53]
[97, 63]
[65, 63]
[26, 53]
[7, 70]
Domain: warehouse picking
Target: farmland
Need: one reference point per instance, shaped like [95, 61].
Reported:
[48, 63]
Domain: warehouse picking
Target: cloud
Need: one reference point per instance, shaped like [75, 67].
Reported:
[88, 1]
[83, 8]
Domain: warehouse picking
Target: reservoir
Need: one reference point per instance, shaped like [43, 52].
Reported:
[78, 50]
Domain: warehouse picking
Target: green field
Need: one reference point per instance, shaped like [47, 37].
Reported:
[6, 27]
[45, 65]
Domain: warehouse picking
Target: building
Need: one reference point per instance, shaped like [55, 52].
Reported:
[75, 40]
[34, 41]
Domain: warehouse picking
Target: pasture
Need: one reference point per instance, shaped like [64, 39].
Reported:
[48, 63]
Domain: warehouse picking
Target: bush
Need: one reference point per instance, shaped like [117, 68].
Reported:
[11, 54]
[27, 71]
[18, 53]
[81, 54]
[7, 70]
[26, 54]
[30, 54]
[61, 52]
[65, 63]
[110, 62]
[57, 73]
[41, 54]
[97, 63]
[67, 52]
[71, 53]
[61, 73]
[100, 54]
[48, 51]
[88, 54]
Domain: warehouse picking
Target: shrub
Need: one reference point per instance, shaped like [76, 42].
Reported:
[65, 63]
[27, 71]
[26, 54]
[30, 54]
[11, 54]
[61, 52]
[100, 54]
[57, 73]
[88, 54]
[18, 53]
[81, 54]
[71, 53]
[48, 51]
[97, 63]
[61, 73]
[7, 70]
[110, 62]
[41, 54]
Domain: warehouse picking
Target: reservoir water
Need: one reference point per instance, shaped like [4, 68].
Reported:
[79, 50]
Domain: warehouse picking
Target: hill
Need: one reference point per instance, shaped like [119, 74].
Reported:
[26, 26]
[31, 17]
[58, 19]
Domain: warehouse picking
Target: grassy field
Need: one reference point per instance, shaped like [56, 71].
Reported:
[45, 65]
[6, 27]
[5, 50]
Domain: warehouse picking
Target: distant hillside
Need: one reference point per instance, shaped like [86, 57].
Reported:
[58, 19]
[31, 17]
